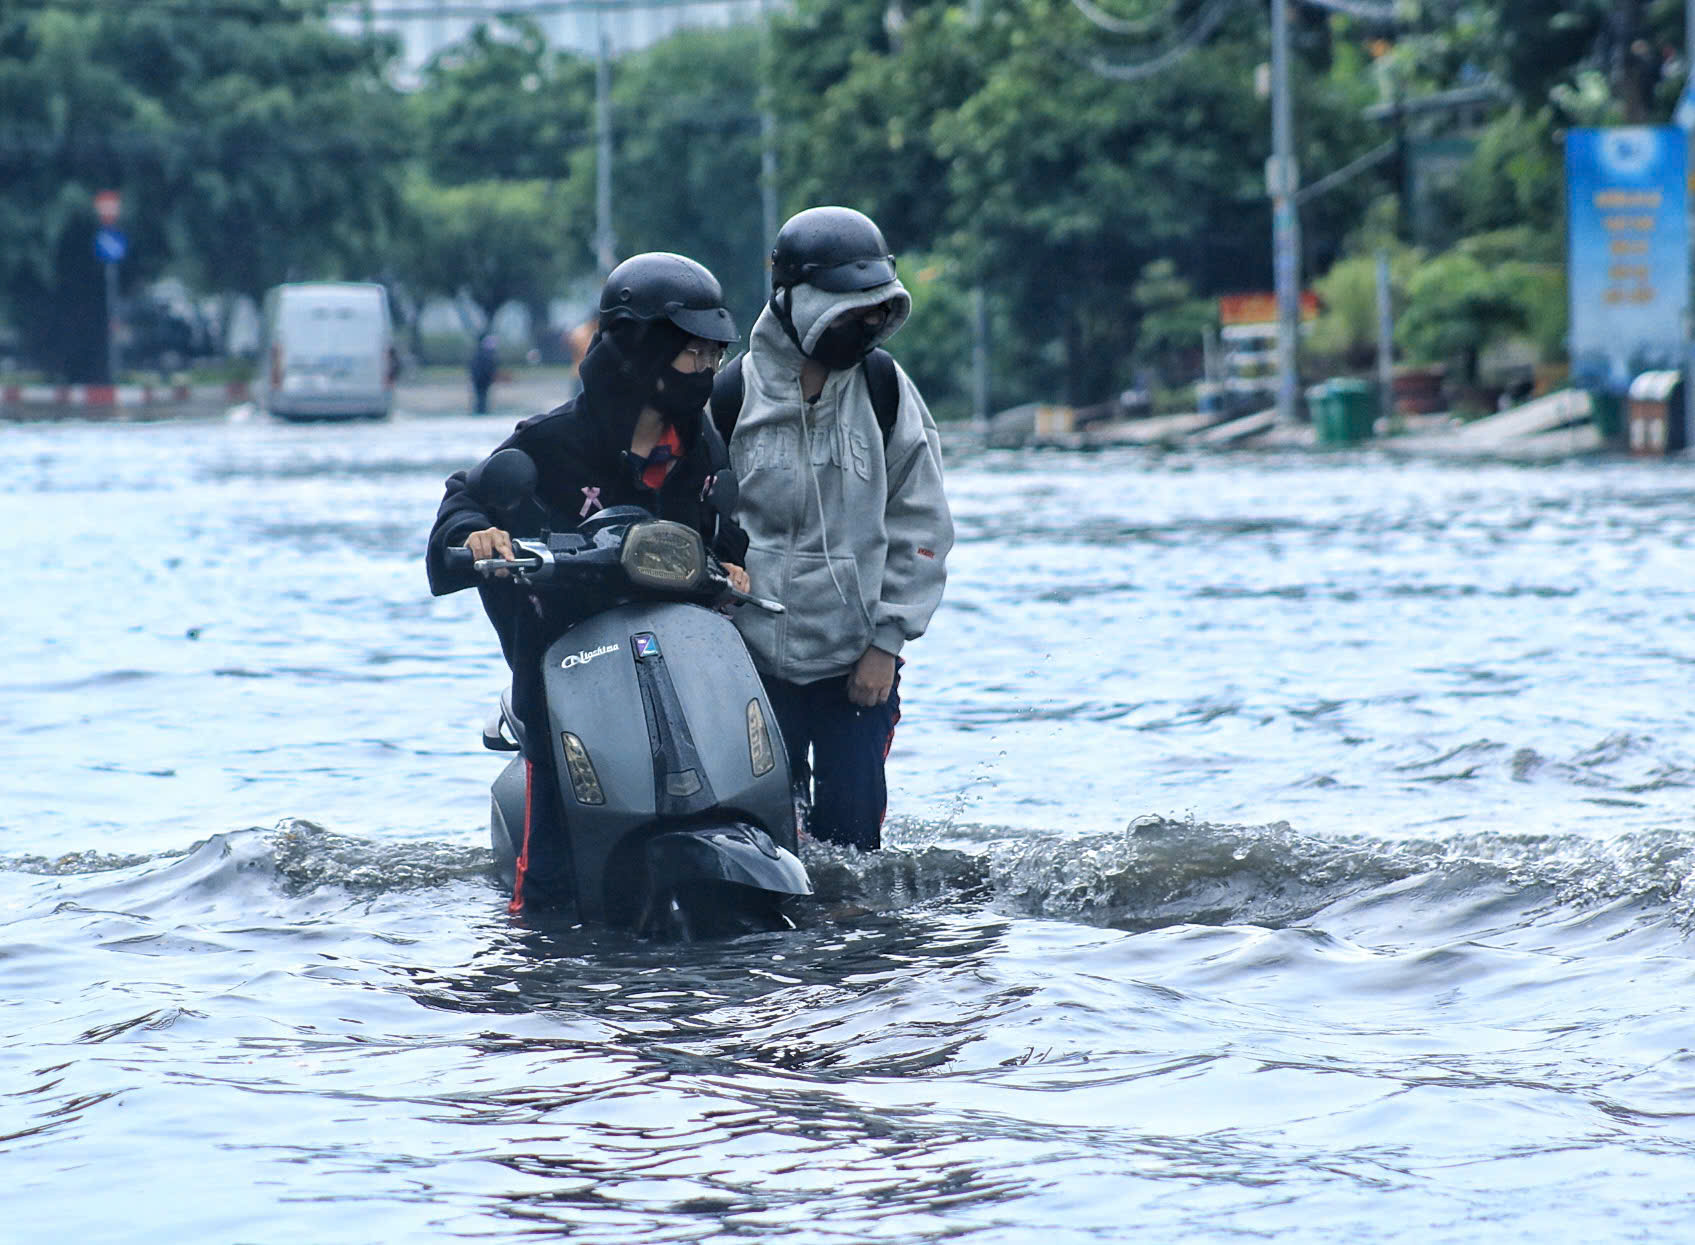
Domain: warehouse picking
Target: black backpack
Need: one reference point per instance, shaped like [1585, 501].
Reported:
[880, 378]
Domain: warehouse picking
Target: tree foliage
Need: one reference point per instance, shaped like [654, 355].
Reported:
[688, 156]
[502, 104]
[251, 143]
[1077, 171]
[492, 242]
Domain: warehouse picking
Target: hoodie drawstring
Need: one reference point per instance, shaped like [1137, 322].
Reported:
[818, 496]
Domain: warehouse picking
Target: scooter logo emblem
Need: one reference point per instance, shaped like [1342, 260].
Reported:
[646, 645]
[584, 656]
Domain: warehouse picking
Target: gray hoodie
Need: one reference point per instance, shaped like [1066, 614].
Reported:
[851, 538]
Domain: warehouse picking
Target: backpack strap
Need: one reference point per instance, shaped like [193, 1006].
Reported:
[884, 383]
[880, 378]
[727, 398]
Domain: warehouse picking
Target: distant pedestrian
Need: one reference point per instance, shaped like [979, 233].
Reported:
[485, 362]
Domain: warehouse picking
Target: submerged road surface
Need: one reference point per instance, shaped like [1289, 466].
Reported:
[1290, 846]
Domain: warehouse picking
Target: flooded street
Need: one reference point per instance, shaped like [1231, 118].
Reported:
[1278, 844]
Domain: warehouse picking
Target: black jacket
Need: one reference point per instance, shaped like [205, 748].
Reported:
[581, 452]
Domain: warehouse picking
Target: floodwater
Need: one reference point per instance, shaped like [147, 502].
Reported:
[1289, 846]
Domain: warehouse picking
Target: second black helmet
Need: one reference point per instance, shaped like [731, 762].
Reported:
[658, 285]
[835, 249]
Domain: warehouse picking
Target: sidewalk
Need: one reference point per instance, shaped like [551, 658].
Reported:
[527, 393]
[118, 401]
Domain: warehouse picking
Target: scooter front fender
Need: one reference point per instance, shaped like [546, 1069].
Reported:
[744, 855]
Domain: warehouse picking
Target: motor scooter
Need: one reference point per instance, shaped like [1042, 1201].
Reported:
[673, 780]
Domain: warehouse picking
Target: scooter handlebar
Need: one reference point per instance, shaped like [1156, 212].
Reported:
[747, 598]
[459, 558]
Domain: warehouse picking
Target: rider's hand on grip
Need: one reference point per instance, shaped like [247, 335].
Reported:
[490, 542]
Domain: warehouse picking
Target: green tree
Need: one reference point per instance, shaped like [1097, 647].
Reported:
[1001, 144]
[1065, 185]
[492, 243]
[860, 108]
[1539, 50]
[1457, 307]
[251, 142]
[502, 105]
[688, 158]
[1172, 323]
[1516, 176]
[934, 345]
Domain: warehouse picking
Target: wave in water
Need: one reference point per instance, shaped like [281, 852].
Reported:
[1155, 873]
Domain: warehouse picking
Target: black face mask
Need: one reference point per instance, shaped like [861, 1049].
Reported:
[844, 343]
[681, 394]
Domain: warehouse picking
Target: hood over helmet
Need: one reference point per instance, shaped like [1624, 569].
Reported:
[829, 261]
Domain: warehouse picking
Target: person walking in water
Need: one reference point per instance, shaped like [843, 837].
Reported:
[839, 471]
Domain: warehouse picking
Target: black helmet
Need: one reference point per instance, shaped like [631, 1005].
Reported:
[661, 286]
[835, 249]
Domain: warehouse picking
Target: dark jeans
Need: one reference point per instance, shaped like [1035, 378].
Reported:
[847, 746]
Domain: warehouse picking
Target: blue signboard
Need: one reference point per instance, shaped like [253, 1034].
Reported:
[1627, 198]
[110, 246]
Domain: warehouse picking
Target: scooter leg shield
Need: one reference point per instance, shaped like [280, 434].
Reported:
[506, 820]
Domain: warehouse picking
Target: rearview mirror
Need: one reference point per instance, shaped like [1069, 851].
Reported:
[503, 481]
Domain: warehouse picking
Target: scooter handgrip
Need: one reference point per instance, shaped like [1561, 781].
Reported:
[746, 598]
[458, 558]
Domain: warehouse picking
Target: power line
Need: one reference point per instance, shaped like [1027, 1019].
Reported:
[1383, 14]
[538, 8]
[1331, 180]
[260, 11]
[257, 12]
[1209, 20]
[1123, 26]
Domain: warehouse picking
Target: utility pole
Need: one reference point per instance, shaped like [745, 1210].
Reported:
[768, 146]
[980, 316]
[604, 242]
[1386, 338]
[1283, 181]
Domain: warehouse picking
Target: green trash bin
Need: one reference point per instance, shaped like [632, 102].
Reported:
[1608, 412]
[1321, 410]
[1343, 411]
[1354, 409]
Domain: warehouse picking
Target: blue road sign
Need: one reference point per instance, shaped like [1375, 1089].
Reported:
[110, 246]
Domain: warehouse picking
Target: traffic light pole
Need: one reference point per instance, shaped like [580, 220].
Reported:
[113, 359]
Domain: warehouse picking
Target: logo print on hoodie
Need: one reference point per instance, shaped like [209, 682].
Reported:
[837, 447]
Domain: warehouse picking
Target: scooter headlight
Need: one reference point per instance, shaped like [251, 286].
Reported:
[759, 740]
[664, 555]
[585, 783]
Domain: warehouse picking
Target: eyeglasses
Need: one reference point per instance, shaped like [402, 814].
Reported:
[707, 357]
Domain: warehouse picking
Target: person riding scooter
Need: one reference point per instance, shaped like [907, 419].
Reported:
[635, 435]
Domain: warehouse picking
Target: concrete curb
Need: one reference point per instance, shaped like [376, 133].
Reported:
[115, 401]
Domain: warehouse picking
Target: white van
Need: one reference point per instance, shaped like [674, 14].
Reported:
[328, 352]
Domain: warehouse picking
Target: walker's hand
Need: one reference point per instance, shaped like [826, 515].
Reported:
[491, 542]
[737, 577]
[872, 678]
